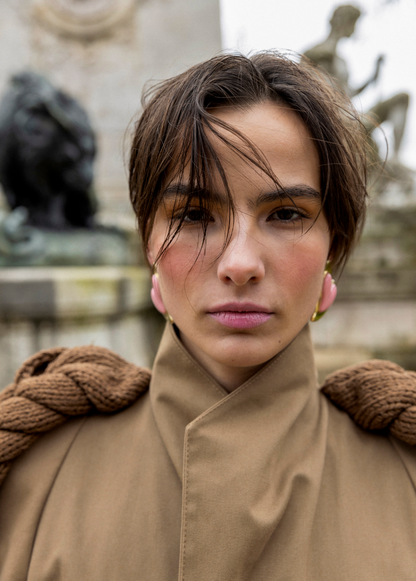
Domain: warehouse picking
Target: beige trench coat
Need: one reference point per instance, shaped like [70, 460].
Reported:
[270, 482]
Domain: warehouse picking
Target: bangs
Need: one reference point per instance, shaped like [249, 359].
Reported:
[174, 142]
[196, 175]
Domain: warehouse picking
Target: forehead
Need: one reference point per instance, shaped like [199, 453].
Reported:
[279, 134]
[282, 140]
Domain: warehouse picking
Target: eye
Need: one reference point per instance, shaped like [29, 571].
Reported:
[194, 216]
[287, 215]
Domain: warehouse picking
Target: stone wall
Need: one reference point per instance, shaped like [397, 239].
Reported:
[102, 52]
[42, 308]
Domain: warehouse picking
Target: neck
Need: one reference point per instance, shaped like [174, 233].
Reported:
[334, 37]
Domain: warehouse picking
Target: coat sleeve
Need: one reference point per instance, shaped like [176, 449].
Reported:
[23, 496]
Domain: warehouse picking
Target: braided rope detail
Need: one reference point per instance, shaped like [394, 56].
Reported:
[378, 395]
[56, 384]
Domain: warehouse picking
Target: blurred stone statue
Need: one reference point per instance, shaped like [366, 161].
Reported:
[18, 241]
[47, 150]
[23, 245]
[394, 110]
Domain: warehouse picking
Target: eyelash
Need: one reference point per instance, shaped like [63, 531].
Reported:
[300, 215]
[183, 216]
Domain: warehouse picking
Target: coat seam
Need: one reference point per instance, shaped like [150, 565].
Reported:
[392, 439]
[185, 508]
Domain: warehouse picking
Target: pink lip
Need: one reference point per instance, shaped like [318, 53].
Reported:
[240, 315]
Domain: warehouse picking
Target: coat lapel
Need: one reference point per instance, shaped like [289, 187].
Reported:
[246, 459]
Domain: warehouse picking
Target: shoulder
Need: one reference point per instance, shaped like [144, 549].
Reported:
[371, 412]
[407, 455]
[366, 466]
[24, 492]
[68, 453]
[58, 384]
[91, 435]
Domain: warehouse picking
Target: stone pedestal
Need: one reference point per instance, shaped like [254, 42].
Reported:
[47, 307]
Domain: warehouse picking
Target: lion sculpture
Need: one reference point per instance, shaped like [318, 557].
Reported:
[47, 150]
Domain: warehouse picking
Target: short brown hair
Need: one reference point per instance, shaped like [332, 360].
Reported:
[173, 131]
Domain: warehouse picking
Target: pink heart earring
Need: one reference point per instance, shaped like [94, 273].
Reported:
[328, 294]
[156, 296]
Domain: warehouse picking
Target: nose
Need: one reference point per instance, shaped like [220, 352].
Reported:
[242, 260]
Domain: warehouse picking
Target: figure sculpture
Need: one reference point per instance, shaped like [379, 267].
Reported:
[47, 150]
[325, 55]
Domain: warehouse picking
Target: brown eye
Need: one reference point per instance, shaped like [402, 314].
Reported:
[196, 215]
[286, 215]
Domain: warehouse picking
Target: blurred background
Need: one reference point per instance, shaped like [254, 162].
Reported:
[385, 27]
[71, 77]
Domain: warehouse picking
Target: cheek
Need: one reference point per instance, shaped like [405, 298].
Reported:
[184, 261]
[178, 270]
[304, 283]
[178, 252]
[307, 279]
[305, 266]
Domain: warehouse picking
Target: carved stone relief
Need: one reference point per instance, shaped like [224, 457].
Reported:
[84, 19]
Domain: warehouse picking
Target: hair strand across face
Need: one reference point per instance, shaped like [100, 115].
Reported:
[174, 138]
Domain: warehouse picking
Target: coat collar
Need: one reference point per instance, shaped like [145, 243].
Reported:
[246, 458]
[182, 391]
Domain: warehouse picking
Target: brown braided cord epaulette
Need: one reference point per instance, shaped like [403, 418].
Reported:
[56, 384]
[378, 395]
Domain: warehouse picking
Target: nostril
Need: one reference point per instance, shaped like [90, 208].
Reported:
[241, 277]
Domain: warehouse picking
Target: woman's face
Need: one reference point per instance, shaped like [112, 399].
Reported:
[236, 309]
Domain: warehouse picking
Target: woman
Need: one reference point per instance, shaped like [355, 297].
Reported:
[247, 178]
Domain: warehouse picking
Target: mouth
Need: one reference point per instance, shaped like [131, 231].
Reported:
[240, 315]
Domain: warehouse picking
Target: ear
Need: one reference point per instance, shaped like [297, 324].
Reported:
[330, 254]
[150, 257]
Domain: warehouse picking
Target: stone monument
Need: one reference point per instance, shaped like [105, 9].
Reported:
[47, 151]
[86, 20]
[101, 52]
[394, 109]
[375, 311]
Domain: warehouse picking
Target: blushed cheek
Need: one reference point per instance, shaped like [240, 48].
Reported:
[178, 269]
[307, 268]
[187, 257]
[308, 279]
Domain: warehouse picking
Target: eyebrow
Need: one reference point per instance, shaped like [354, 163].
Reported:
[175, 190]
[292, 192]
